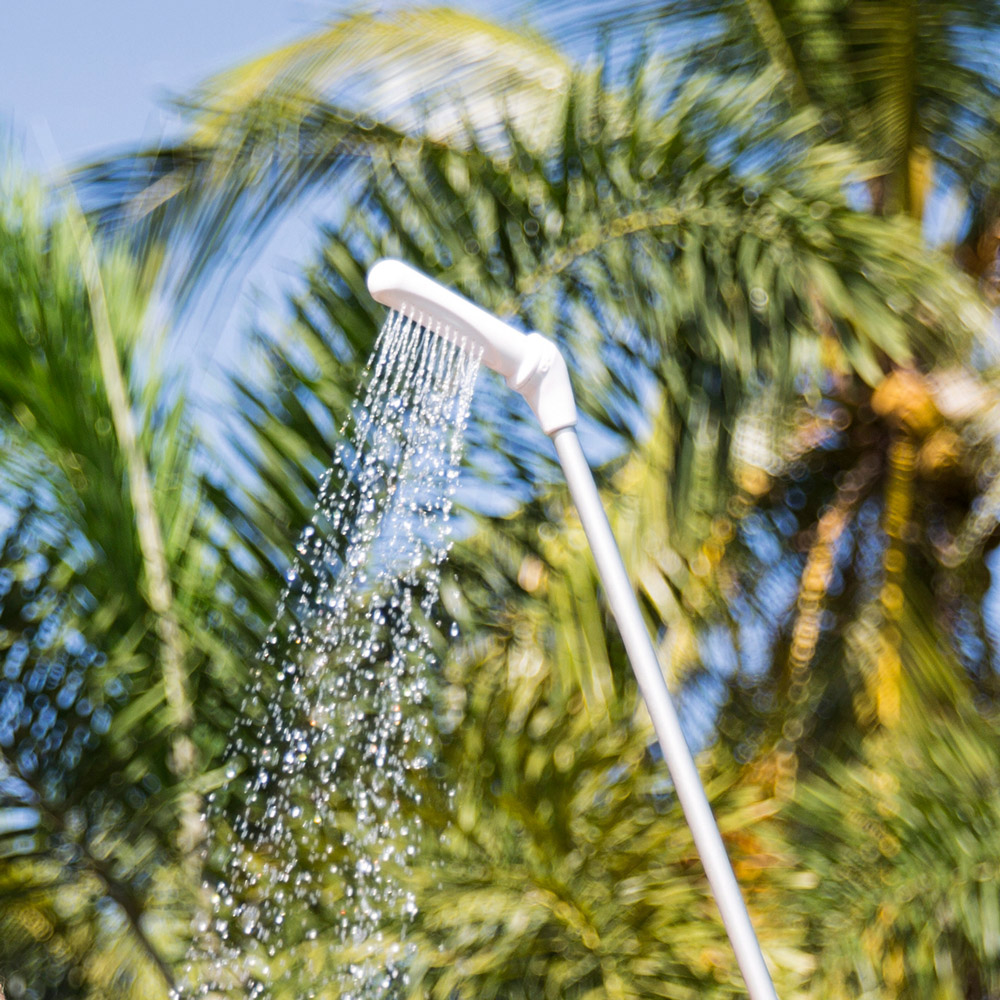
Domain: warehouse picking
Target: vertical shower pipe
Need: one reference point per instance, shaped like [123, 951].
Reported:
[646, 667]
[534, 367]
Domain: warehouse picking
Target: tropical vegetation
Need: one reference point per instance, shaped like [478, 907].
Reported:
[734, 216]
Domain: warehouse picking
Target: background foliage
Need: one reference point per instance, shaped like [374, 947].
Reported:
[725, 217]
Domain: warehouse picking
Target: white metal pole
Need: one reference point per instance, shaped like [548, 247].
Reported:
[642, 655]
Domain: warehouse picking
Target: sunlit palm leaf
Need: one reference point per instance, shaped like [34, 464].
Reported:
[87, 730]
[269, 131]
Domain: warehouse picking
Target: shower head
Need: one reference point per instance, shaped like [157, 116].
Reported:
[531, 363]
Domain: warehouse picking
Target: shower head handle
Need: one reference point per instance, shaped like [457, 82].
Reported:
[531, 363]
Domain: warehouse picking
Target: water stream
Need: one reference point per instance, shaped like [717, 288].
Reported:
[320, 806]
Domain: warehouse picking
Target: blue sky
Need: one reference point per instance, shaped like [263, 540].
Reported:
[79, 78]
[99, 73]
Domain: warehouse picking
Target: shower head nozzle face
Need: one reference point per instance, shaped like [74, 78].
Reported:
[530, 363]
[401, 287]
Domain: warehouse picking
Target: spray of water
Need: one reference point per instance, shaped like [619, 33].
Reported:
[319, 806]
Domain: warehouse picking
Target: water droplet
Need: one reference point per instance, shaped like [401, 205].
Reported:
[346, 663]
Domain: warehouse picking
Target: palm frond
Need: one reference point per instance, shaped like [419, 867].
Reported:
[88, 777]
[266, 133]
[900, 844]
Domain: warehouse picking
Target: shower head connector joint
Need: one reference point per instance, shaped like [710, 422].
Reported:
[542, 378]
[531, 363]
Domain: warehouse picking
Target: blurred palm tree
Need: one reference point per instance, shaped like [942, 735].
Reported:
[112, 655]
[839, 120]
[901, 837]
[724, 221]
[709, 202]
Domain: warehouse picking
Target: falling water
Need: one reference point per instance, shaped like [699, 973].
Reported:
[320, 805]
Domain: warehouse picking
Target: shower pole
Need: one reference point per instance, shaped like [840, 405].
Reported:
[676, 753]
[533, 366]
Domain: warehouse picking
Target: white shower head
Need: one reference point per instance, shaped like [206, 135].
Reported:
[531, 363]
